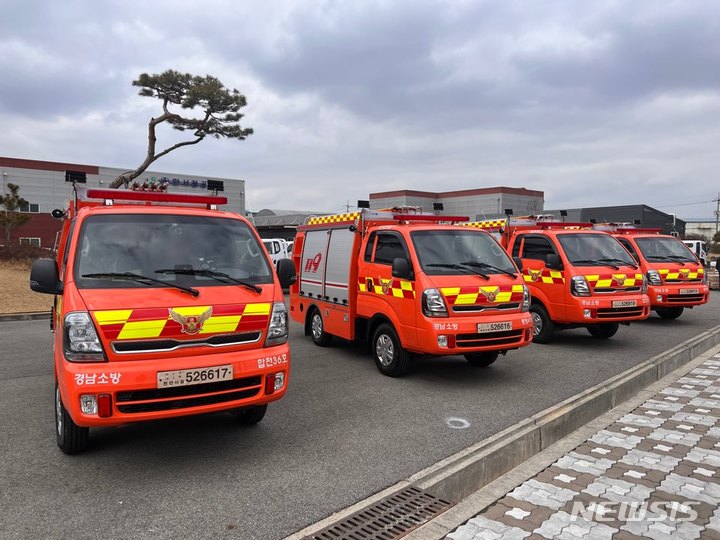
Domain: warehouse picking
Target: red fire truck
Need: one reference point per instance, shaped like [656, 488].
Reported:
[410, 283]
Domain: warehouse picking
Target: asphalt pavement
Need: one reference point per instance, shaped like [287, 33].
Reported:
[342, 433]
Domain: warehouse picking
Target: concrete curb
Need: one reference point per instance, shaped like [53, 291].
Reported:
[465, 472]
[25, 316]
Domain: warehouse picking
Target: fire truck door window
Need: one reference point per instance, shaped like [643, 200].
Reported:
[369, 247]
[536, 247]
[67, 249]
[389, 247]
[627, 245]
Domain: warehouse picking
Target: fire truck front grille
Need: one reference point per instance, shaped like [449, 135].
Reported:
[684, 298]
[699, 280]
[164, 345]
[508, 337]
[183, 397]
[486, 307]
[610, 290]
[613, 313]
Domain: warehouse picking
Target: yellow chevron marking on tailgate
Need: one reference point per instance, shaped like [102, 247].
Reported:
[221, 323]
[257, 309]
[142, 329]
[119, 316]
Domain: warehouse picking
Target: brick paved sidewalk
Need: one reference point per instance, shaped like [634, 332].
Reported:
[659, 462]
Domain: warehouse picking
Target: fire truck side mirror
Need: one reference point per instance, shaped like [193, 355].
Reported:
[44, 277]
[286, 272]
[518, 263]
[553, 262]
[401, 268]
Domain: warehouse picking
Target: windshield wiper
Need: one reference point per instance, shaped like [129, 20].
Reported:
[490, 266]
[459, 267]
[596, 262]
[675, 258]
[621, 261]
[130, 276]
[218, 276]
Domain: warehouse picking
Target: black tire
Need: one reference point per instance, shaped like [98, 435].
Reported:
[250, 416]
[483, 359]
[71, 438]
[603, 330]
[390, 358]
[670, 313]
[317, 329]
[543, 327]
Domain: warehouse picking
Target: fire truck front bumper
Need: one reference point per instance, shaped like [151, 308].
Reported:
[677, 295]
[615, 308]
[461, 335]
[113, 393]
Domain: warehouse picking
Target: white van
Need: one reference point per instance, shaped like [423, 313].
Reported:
[698, 248]
[277, 248]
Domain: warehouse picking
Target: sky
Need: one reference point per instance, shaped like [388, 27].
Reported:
[592, 102]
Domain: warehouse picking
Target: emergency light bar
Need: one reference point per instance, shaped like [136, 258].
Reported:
[153, 196]
[428, 217]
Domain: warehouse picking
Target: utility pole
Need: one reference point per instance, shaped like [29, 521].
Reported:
[347, 207]
[717, 213]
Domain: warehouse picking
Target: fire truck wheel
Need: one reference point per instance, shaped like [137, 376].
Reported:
[390, 358]
[317, 330]
[603, 330]
[543, 327]
[71, 438]
[670, 313]
[250, 415]
[483, 359]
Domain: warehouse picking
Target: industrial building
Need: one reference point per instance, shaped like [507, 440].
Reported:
[640, 215]
[483, 203]
[47, 185]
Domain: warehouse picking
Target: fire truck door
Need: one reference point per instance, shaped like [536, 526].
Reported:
[533, 249]
[379, 292]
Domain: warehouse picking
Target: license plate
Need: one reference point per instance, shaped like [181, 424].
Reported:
[689, 291]
[624, 303]
[483, 328]
[185, 377]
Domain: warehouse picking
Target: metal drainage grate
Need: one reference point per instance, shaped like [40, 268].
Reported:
[388, 519]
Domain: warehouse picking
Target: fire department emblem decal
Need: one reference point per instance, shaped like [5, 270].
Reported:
[191, 324]
[385, 285]
[619, 279]
[684, 272]
[534, 274]
[490, 295]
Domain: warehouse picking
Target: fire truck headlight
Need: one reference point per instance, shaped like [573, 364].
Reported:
[644, 286]
[278, 329]
[579, 286]
[81, 342]
[653, 277]
[433, 304]
[526, 299]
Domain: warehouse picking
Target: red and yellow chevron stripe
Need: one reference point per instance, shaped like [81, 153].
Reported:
[681, 274]
[603, 281]
[543, 275]
[399, 288]
[459, 296]
[148, 323]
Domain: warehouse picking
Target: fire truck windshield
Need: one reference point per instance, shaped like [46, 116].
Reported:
[143, 243]
[594, 249]
[664, 249]
[446, 252]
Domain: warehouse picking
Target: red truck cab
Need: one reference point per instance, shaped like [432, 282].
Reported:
[676, 278]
